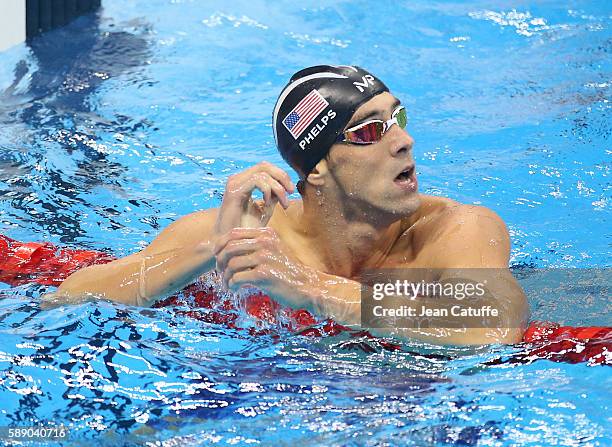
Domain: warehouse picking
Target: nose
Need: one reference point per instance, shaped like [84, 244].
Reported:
[401, 140]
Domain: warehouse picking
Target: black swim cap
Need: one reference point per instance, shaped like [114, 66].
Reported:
[315, 107]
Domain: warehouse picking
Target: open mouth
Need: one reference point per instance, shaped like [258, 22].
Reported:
[407, 180]
[405, 175]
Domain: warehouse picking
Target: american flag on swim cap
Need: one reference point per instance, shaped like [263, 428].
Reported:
[304, 113]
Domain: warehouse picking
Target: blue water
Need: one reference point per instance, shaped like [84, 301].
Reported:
[123, 121]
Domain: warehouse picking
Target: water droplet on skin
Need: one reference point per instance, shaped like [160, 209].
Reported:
[493, 242]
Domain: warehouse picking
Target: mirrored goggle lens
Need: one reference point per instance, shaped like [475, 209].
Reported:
[402, 118]
[368, 133]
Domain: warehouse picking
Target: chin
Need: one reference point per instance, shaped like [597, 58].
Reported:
[409, 205]
[400, 207]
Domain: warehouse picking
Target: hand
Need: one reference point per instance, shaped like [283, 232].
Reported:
[240, 210]
[257, 257]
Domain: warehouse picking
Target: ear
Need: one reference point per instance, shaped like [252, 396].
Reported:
[318, 175]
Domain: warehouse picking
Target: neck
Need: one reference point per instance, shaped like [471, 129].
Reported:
[350, 236]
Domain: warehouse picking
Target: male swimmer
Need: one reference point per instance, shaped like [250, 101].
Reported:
[345, 135]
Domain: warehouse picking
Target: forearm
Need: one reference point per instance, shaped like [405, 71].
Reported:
[139, 279]
[334, 297]
[340, 299]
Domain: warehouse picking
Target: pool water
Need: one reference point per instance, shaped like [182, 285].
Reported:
[118, 124]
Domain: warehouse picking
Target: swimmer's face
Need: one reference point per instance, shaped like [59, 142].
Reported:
[381, 175]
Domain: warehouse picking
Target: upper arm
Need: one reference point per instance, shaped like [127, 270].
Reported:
[478, 248]
[120, 277]
[189, 230]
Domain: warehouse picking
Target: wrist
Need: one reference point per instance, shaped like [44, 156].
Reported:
[336, 297]
[311, 293]
[204, 256]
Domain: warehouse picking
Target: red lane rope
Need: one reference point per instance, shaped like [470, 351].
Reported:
[44, 263]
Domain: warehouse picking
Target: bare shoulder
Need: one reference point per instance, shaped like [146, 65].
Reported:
[188, 229]
[197, 220]
[284, 219]
[428, 213]
[452, 232]
[442, 213]
[456, 210]
[471, 218]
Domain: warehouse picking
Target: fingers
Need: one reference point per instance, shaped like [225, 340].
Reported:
[240, 186]
[236, 234]
[277, 173]
[243, 250]
[247, 277]
[239, 209]
[238, 265]
[236, 248]
[269, 187]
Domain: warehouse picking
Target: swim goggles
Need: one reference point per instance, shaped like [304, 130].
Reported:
[372, 131]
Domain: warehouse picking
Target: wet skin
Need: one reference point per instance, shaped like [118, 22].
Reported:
[360, 209]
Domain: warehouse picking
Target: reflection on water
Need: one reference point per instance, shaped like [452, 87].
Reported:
[572, 297]
[115, 367]
[156, 373]
[56, 156]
